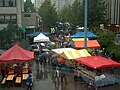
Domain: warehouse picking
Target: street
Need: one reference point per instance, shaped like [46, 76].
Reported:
[42, 80]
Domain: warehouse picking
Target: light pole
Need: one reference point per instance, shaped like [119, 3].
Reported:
[85, 24]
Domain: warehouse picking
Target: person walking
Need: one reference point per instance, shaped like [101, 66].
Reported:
[63, 76]
[29, 82]
[56, 77]
[75, 74]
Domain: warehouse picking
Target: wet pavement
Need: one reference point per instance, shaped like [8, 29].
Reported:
[42, 80]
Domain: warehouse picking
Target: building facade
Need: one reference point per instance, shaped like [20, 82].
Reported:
[29, 21]
[11, 12]
[113, 13]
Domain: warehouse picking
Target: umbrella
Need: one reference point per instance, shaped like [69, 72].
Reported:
[60, 60]
[44, 54]
[54, 55]
[57, 39]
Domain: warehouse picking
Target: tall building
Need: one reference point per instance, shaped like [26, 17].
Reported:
[59, 4]
[10, 12]
[113, 13]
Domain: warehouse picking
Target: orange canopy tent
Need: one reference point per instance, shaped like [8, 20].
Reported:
[90, 44]
[16, 54]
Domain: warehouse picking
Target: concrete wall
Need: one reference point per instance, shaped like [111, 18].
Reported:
[29, 21]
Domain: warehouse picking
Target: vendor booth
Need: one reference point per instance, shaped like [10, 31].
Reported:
[15, 65]
[69, 54]
[16, 54]
[96, 70]
[41, 38]
[90, 44]
[90, 35]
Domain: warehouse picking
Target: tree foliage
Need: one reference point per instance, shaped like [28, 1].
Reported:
[9, 34]
[75, 13]
[65, 14]
[106, 40]
[29, 6]
[96, 12]
[48, 13]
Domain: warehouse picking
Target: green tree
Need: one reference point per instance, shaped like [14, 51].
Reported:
[29, 6]
[77, 13]
[65, 14]
[9, 34]
[96, 12]
[105, 37]
[48, 13]
[106, 40]
[73, 14]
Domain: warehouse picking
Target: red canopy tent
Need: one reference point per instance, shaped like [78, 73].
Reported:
[16, 54]
[97, 62]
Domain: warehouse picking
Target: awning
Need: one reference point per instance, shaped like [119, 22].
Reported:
[78, 39]
[16, 54]
[90, 44]
[60, 50]
[74, 54]
[97, 62]
[82, 35]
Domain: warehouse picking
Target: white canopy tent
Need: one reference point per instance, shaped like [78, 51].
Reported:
[41, 38]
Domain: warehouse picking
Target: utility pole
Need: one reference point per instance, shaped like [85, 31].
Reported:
[85, 24]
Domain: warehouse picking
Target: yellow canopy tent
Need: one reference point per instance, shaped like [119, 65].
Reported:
[74, 54]
[78, 39]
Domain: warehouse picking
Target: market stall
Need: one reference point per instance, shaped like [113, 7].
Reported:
[96, 70]
[41, 38]
[15, 64]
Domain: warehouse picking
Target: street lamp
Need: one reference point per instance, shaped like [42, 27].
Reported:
[85, 24]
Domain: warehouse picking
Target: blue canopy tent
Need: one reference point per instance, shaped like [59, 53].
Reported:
[36, 34]
[90, 35]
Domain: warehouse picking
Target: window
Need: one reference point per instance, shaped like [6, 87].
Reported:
[1, 3]
[13, 18]
[13, 3]
[1, 18]
[8, 18]
[27, 15]
[7, 2]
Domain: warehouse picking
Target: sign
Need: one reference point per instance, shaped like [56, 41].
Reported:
[23, 30]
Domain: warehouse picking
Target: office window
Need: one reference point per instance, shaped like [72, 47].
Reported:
[13, 3]
[7, 2]
[13, 18]
[27, 15]
[1, 18]
[1, 3]
[7, 18]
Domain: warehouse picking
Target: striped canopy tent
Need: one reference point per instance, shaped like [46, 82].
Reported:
[60, 50]
[69, 55]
